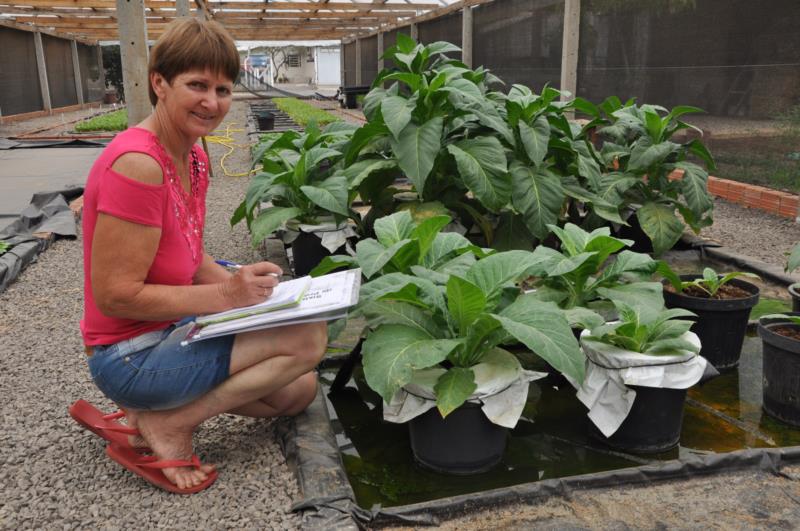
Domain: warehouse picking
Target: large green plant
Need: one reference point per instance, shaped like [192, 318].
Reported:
[590, 271]
[452, 307]
[301, 180]
[794, 259]
[441, 124]
[639, 156]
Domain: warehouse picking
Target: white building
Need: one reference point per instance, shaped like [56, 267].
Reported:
[295, 62]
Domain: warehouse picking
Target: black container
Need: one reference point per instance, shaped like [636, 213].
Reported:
[781, 359]
[265, 120]
[653, 424]
[794, 291]
[633, 231]
[720, 324]
[308, 252]
[465, 442]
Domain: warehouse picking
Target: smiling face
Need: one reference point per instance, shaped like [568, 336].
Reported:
[195, 101]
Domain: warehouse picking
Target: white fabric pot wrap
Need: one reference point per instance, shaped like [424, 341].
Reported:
[502, 389]
[610, 370]
[331, 235]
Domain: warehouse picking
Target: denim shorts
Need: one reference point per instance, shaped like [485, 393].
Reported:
[153, 371]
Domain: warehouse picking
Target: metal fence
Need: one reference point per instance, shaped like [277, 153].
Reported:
[734, 58]
[20, 86]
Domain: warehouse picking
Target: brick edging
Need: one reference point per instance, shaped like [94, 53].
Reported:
[772, 201]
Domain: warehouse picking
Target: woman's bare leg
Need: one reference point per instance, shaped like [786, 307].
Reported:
[263, 363]
[287, 401]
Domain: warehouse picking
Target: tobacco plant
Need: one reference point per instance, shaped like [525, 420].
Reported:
[711, 281]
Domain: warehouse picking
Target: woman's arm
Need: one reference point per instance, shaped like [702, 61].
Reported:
[123, 252]
[210, 272]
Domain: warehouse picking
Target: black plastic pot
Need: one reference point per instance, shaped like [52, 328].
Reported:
[653, 424]
[265, 120]
[721, 324]
[794, 291]
[464, 442]
[633, 231]
[308, 252]
[781, 359]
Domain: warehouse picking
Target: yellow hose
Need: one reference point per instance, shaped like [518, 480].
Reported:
[228, 141]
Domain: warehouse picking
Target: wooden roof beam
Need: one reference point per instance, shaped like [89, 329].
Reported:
[59, 34]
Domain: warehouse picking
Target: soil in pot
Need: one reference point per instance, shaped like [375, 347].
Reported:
[308, 252]
[721, 322]
[781, 376]
[465, 442]
[653, 424]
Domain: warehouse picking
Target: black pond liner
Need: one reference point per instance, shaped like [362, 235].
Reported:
[308, 252]
[48, 212]
[329, 502]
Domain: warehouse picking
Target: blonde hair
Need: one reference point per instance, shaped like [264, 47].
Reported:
[189, 44]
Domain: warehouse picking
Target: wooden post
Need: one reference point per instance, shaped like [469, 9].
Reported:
[99, 52]
[466, 36]
[134, 52]
[381, 62]
[569, 52]
[358, 62]
[415, 32]
[76, 69]
[40, 65]
[182, 8]
[342, 80]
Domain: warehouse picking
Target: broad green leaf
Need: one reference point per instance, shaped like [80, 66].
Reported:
[794, 259]
[535, 139]
[372, 256]
[661, 225]
[396, 112]
[583, 318]
[543, 329]
[362, 169]
[362, 137]
[701, 151]
[498, 270]
[332, 263]
[482, 165]
[453, 388]
[538, 196]
[392, 352]
[330, 194]
[269, 220]
[317, 154]
[639, 264]
[434, 276]
[512, 233]
[458, 265]
[400, 313]
[445, 244]
[694, 187]
[442, 47]
[465, 301]
[645, 154]
[611, 187]
[671, 346]
[645, 298]
[426, 231]
[416, 149]
[391, 229]
[489, 117]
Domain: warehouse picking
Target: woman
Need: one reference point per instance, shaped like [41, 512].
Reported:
[146, 274]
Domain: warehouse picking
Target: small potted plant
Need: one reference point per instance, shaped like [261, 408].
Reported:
[590, 270]
[438, 310]
[722, 304]
[304, 192]
[637, 372]
[780, 336]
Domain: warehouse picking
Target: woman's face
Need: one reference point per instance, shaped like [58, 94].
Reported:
[196, 101]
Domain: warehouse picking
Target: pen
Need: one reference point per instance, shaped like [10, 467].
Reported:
[234, 265]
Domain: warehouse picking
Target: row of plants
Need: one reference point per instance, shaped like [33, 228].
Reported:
[504, 166]
[495, 223]
[112, 121]
[303, 113]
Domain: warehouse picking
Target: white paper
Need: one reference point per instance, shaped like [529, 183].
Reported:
[287, 293]
[327, 297]
[610, 370]
[502, 389]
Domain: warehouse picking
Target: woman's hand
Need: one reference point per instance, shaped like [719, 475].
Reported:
[251, 284]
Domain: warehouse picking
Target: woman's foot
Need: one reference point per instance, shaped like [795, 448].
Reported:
[169, 441]
[131, 418]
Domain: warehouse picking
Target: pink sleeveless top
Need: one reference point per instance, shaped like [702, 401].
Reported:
[179, 215]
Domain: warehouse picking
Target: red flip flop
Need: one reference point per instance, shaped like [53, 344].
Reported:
[106, 426]
[149, 468]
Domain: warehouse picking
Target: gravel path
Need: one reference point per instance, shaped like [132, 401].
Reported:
[752, 232]
[54, 474]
